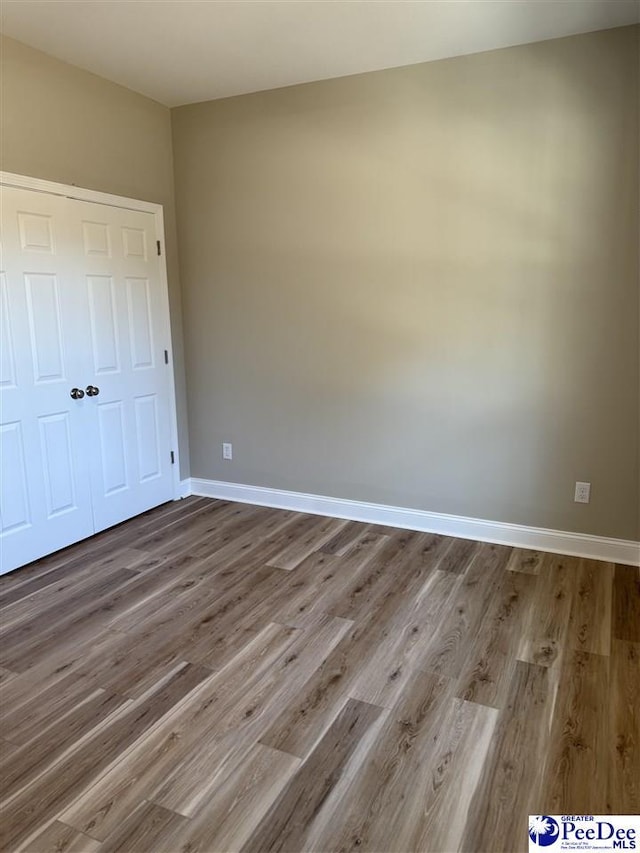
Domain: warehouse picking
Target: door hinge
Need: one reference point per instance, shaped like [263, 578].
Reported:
[158, 247]
[173, 458]
[166, 356]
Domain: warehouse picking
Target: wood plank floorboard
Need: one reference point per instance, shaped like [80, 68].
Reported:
[623, 761]
[524, 560]
[287, 824]
[213, 677]
[579, 736]
[510, 784]
[56, 838]
[460, 630]
[489, 667]
[543, 638]
[626, 604]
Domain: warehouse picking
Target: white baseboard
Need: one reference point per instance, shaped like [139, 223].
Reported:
[184, 489]
[556, 541]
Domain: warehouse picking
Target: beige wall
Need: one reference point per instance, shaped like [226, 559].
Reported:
[420, 286]
[61, 123]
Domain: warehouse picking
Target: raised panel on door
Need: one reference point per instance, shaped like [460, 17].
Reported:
[57, 463]
[45, 500]
[131, 463]
[101, 291]
[36, 230]
[140, 322]
[16, 507]
[148, 442]
[112, 440]
[45, 326]
[7, 351]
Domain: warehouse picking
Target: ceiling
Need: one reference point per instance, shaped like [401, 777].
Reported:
[184, 51]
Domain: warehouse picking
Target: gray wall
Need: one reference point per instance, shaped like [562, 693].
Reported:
[63, 124]
[420, 286]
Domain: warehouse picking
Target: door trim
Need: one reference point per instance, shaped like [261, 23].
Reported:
[26, 182]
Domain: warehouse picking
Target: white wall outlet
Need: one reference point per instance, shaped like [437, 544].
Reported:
[583, 493]
[227, 450]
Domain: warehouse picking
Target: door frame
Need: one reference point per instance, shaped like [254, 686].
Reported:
[26, 182]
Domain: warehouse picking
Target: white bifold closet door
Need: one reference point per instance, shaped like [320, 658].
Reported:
[85, 394]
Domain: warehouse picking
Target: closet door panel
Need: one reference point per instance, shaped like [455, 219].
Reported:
[120, 271]
[45, 498]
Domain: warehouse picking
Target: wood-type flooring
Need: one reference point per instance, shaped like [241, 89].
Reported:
[215, 677]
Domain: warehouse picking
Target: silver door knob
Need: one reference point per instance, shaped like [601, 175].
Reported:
[76, 393]
[92, 390]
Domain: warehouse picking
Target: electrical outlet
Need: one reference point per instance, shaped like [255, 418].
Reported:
[583, 493]
[227, 450]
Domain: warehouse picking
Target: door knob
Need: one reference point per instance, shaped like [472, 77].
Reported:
[92, 390]
[76, 393]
